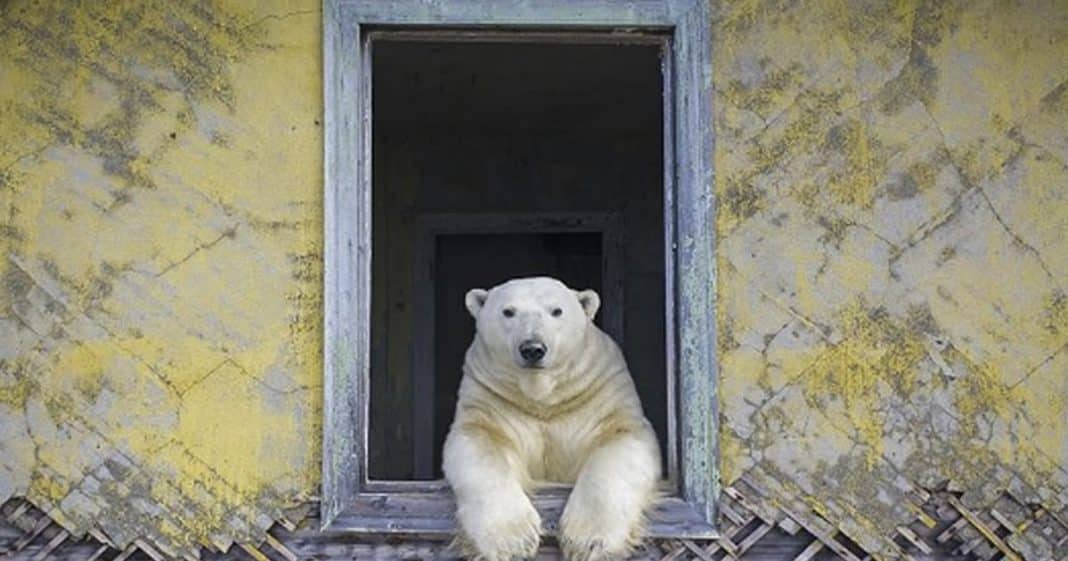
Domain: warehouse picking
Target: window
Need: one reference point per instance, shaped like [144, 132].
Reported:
[572, 139]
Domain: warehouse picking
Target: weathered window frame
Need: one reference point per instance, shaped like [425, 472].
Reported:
[350, 501]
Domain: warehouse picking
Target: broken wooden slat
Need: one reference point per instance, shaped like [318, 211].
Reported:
[922, 516]
[914, 539]
[43, 523]
[733, 515]
[126, 553]
[697, 550]
[753, 538]
[18, 512]
[810, 551]
[100, 537]
[1004, 521]
[286, 523]
[675, 549]
[984, 530]
[253, 552]
[99, 551]
[51, 546]
[951, 531]
[281, 548]
[744, 501]
[827, 540]
[149, 550]
[1058, 517]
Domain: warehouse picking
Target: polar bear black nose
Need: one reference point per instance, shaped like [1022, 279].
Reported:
[532, 351]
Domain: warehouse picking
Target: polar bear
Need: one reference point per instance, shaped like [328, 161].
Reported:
[546, 396]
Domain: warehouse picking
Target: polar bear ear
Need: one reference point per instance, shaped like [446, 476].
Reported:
[590, 301]
[475, 299]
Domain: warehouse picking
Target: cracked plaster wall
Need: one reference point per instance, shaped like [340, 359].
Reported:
[891, 181]
[160, 256]
[893, 200]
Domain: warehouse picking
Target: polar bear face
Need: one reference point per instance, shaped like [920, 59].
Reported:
[535, 324]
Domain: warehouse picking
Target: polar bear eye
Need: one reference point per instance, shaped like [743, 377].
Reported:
[508, 312]
[557, 312]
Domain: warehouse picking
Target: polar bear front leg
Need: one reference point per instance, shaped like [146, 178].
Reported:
[497, 521]
[604, 515]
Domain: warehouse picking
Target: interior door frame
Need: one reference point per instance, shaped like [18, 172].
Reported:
[428, 227]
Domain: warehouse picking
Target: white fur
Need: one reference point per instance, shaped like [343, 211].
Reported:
[576, 419]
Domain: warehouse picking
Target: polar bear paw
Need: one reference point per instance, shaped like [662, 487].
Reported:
[502, 534]
[591, 548]
[591, 536]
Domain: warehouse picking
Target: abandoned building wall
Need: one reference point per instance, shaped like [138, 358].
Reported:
[892, 213]
[892, 270]
[160, 187]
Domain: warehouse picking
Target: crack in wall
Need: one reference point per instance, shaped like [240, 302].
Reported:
[1016, 237]
[279, 17]
[229, 233]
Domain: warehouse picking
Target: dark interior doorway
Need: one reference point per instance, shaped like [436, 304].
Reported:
[480, 129]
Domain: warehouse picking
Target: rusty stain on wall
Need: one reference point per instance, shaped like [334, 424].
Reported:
[891, 216]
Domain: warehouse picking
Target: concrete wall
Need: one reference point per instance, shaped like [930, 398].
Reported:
[891, 182]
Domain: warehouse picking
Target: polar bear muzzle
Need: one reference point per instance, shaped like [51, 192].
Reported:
[532, 351]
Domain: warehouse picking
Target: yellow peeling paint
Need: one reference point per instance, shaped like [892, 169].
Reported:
[160, 184]
[892, 274]
[891, 187]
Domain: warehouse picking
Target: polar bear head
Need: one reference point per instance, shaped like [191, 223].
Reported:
[535, 323]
